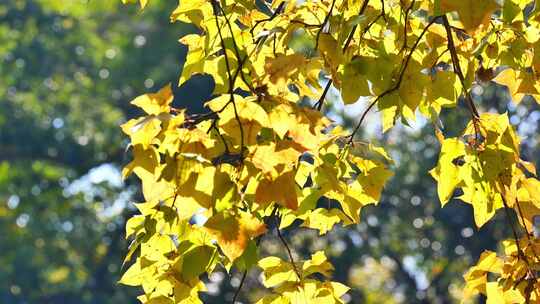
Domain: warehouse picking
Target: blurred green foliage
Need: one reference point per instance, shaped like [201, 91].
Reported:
[68, 70]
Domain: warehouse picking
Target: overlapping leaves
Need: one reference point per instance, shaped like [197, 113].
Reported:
[213, 181]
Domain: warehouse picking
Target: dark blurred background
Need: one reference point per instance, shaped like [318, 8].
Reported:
[68, 69]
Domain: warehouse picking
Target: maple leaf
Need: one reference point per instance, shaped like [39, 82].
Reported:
[447, 171]
[472, 13]
[476, 277]
[261, 148]
[155, 103]
[519, 83]
[282, 190]
[233, 232]
[354, 82]
[284, 66]
[143, 131]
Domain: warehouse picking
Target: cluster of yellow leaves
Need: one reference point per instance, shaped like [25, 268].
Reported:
[509, 280]
[487, 43]
[212, 181]
[487, 168]
[173, 254]
[500, 42]
[187, 170]
[514, 42]
[294, 285]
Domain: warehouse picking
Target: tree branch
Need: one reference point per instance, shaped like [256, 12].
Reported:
[216, 6]
[521, 253]
[274, 14]
[405, 25]
[457, 69]
[398, 83]
[258, 242]
[284, 242]
[318, 105]
[325, 21]
[237, 292]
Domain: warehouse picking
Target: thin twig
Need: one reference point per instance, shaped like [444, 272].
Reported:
[368, 27]
[258, 242]
[325, 21]
[436, 61]
[320, 103]
[457, 69]
[236, 49]
[216, 6]
[514, 231]
[383, 11]
[521, 253]
[274, 14]
[405, 25]
[520, 213]
[237, 292]
[353, 30]
[364, 114]
[214, 126]
[282, 239]
[305, 24]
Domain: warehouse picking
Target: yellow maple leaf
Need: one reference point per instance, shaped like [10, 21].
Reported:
[246, 108]
[143, 130]
[276, 271]
[476, 277]
[509, 78]
[354, 82]
[447, 171]
[155, 103]
[193, 11]
[322, 219]
[233, 231]
[413, 85]
[142, 270]
[284, 67]
[330, 51]
[282, 119]
[472, 13]
[317, 264]
[532, 185]
[497, 295]
[267, 158]
[282, 190]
